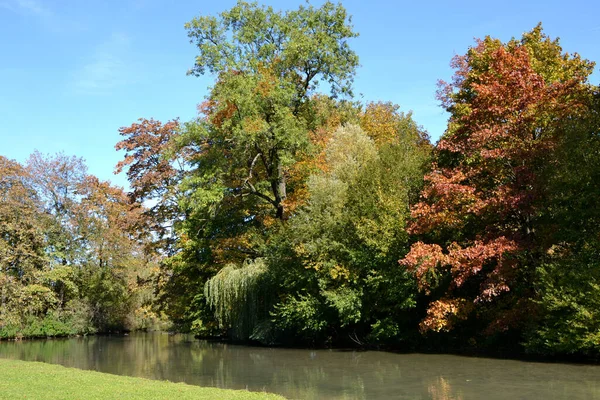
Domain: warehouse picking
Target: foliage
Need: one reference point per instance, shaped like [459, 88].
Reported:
[299, 45]
[345, 240]
[301, 315]
[70, 258]
[566, 281]
[485, 194]
[237, 296]
[21, 225]
[268, 64]
[153, 173]
[246, 157]
[569, 299]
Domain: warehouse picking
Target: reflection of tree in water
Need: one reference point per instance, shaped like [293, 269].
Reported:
[313, 374]
[69, 352]
[440, 389]
[305, 374]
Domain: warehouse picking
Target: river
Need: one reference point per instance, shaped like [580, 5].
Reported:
[314, 374]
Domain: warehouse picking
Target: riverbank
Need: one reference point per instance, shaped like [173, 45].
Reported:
[296, 373]
[34, 380]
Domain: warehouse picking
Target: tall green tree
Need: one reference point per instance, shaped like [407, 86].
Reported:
[338, 260]
[567, 279]
[254, 129]
[268, 64]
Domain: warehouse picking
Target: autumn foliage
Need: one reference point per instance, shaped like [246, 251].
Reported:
[71, 252]
[485, 193]
[284, 215]
[307, 201]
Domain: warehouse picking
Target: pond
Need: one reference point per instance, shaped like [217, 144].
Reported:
[313, 374]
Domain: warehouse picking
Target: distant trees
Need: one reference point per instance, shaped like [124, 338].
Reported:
[22, 250]
[70, 262]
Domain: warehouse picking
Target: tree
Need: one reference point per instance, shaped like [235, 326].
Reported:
[71, 259]
[22, 241]
[334, 268]
[483, 200]
[268, 64]
[242, 172]
[567, 278]
[57, 180]
[107, 223]
[153, 172]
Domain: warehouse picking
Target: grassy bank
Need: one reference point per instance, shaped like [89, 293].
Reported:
[33, 380]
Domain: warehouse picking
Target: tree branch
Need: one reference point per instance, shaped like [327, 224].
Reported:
[251, 186]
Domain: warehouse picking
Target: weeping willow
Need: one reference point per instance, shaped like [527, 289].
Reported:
[237, 296]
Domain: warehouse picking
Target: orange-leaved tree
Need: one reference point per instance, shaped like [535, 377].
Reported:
[154, 171]
[480, 209]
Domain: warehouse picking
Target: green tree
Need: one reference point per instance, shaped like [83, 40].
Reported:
[255, 129]
[567, 280]
[268, 65]
[336, 264]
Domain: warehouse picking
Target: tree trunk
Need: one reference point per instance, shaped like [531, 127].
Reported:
[279, 189]
[3, 305]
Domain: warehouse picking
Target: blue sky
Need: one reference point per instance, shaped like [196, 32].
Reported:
[72, 72]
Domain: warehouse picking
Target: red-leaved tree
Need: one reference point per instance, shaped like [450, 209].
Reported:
[483, 198]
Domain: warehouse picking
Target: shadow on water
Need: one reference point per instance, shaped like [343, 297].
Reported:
[314, 374]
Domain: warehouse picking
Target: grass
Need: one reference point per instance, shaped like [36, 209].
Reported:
[33, 380]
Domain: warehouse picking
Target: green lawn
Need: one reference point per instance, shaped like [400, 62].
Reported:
[33, 380]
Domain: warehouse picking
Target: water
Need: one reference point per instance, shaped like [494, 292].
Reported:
[314, 374]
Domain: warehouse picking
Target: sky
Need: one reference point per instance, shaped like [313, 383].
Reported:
[73, 72]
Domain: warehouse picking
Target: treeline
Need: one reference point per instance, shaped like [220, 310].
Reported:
[283, 215]
[289, 216]
[70, 260]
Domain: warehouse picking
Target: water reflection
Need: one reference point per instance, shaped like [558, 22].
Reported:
[442, 390]
[314, 374]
